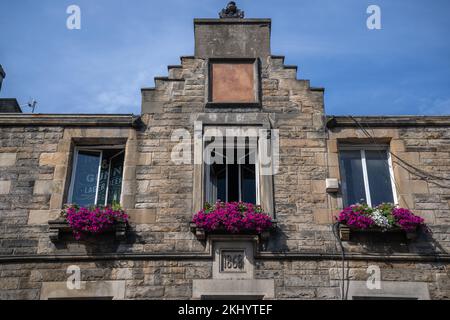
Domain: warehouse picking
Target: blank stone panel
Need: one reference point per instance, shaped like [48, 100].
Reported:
[233, 82]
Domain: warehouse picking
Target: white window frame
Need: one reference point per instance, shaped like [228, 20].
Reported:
[74, 169]
[208, 187]
[363, 149]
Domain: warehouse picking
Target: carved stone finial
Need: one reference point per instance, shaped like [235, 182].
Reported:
[232, 11]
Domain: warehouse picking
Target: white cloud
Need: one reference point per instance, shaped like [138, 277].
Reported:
[122, 97]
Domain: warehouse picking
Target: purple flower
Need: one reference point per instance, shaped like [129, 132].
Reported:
[361, 217]
[92, 221]
[406, 220]
[234, 217]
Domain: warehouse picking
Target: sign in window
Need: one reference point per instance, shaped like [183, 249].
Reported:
[96, 177]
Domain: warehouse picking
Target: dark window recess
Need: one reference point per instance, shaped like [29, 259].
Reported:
[234, 179]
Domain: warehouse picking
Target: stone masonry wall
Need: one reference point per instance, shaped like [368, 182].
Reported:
[161, 198]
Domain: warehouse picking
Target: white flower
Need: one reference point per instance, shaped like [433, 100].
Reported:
[380, 220]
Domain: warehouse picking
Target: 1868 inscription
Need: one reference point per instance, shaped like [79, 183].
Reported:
[232, 260]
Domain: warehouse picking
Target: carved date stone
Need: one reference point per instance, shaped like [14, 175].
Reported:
[232, 260]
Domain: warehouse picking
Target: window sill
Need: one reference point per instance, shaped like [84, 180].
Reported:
[59, 227]
[201, 234]
[345, 232]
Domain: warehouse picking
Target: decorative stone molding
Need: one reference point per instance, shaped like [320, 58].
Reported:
[60, 226]
[388, 121]
[240, 122]
[233, 271]
[234, 259]
[68, 120]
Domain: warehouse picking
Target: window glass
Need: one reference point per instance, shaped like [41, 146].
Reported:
[115, 180]
[248, 183]
[103, 181]
[90, 189]
[379, 177]
[234, 180]
[86, 176]
[352, 177]
[220, 182]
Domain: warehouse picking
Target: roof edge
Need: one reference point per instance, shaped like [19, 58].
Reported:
[388, 121]
[69, 120]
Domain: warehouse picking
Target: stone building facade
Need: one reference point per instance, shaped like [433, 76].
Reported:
[232, 82]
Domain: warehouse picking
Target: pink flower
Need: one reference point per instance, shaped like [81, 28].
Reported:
[96, 221]
[406, 220]
[234, 217]
[360, 217]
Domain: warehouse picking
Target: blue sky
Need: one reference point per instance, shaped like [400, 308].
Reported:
[122, 45]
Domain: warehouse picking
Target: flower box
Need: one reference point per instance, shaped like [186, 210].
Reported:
[232, 218]
[201, 233]
[345, 232]
[92, 221]
[60, 226]
[385, 218]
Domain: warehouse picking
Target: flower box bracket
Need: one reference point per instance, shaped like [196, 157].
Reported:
[60, 226]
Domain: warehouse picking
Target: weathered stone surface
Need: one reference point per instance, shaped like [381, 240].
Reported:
[161, 197]
[142, 216]
[7, 159]
[43, 187]
[5, 187]
[42, 217]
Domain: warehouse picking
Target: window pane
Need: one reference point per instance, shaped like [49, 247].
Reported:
[86, 174]
[248, 184]
[222, 183]
[217, 189]
[233, 182]
[352, 177]
[103, 181]
[379, 177]
[115, 180]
